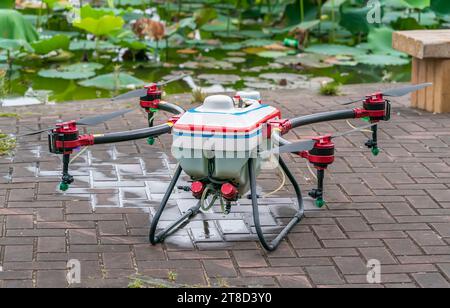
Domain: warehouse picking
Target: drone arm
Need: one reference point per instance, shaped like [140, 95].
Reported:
[171, 108]
[133, 134]
[322, 117]
[143, 133]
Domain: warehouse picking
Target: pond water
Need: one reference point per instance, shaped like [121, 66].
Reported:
[249, 72]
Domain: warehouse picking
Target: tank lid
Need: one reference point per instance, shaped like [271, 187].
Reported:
[217, 103]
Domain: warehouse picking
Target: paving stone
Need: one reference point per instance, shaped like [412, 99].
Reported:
[82, 236]
[431, 280]
[19, 222]
[51, 244]
[219, 268]
[403, 247]
[119, 260]
[351, 265]
[249, 258]
[324, 275]
[18, 253]
[294, 282]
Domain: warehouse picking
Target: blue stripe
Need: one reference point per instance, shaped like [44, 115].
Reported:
[232, 113]
[182, 134]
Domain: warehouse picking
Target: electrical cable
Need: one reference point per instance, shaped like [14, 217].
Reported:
[283, 183]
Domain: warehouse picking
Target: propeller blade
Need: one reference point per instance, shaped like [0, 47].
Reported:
[396, 92]
[163, 83]
[28, 134]
[358, 129]
[131, 94]
[304, 145]
[406, 90]
[92, 121]
[351, 102]
[143, 92]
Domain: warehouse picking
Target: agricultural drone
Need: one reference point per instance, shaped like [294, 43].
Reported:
[224, 144]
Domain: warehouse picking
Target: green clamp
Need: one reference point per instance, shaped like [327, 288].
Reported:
[375, 151]
[320, 203]
[63, 186]
[150, 140]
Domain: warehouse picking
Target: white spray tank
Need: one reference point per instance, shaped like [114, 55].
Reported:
[216, 139]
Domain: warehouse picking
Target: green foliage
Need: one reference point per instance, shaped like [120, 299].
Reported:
[102, 26]
[14, 26]
[89, 12]
[354, 19]
[15, 45]
[418, 4]
[57, 42]
[441, 7]
[380, 41]
[7, 145]
[204, 16]
[330, 89]
[7, 4]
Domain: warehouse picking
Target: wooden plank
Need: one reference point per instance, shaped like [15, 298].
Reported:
[423, 43]
[422, 77]
[445, 93]
[438, 87]
[430, 76]
[415, 80]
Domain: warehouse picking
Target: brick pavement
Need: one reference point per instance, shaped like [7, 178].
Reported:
[394, 208]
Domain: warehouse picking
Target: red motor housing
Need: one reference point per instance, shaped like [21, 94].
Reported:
[322, 154]
[66, 137]
[152, 99]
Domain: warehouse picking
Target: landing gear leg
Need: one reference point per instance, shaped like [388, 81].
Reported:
[297, 217]
[158, 238]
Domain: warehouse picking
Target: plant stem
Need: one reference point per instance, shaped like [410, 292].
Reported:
[302, 10]
[319, 12]
[333, 19]
[97, 47]
[38, 21]
[167, 49]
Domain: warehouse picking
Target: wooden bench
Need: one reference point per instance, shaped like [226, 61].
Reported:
[431, 63]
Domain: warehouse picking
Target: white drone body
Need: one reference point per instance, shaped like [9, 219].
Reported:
[217, 139]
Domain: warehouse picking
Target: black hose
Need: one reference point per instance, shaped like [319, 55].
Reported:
[322, 117]
[141, 133]
[172, 108]
[133, 134]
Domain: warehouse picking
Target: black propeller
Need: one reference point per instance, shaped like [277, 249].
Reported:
[89, 121]
[143, 92]
[92, 121]
[396, 92]
[307, 145]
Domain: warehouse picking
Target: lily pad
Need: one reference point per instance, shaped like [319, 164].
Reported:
[272, 54]
[72, 72]
[236, 60]
[277, 77]
[219, 78]
[98, 27]
[380, 41]
[381, 60]
[43, 47]
[258, 43]
[113, 82]
[90, 45]
[334, 50]
[305, 59]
